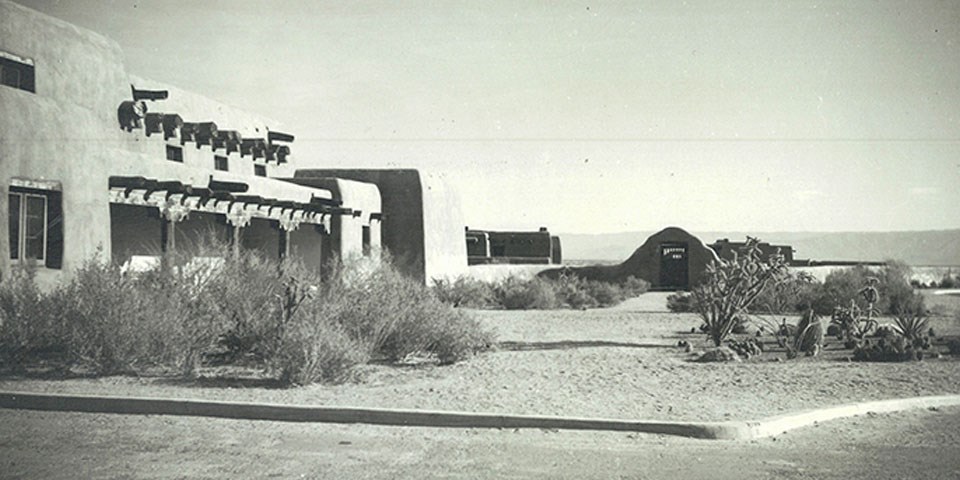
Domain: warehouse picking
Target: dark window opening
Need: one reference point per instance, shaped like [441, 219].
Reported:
[174, 154]
[36, 226]
[14, 225]
[260, 170]
[365, 235]
[220, 163]
[17, 75]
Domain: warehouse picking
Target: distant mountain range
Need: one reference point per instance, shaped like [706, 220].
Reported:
[932, 247]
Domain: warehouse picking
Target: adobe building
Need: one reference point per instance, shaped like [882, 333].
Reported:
[94, 160]
[725, 249]
[486, 246]
[670, 259]
[422, 221]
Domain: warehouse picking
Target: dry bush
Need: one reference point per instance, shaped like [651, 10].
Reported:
[533, 294]
[29, 324]
[393, 316]
[315, 348]
[466, 293]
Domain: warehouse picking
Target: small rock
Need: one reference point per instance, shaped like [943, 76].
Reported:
[719, 354]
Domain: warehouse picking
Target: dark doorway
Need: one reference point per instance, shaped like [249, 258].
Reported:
[674, 266]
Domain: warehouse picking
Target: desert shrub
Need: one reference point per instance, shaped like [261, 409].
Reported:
[719, 354]
[534, 294]
[458, 339]
[537, 293]
[605, 294]
[570, 292]
[106, 318]
[634, 287]
[855, 322]
[175, 315]
[953, 346]
[841, 285]
[391, 316]
[246, 291]
[313, 348]
[792, 294]
[895, 288]
[891, 348]
[729, 287]
[29, 324]
[184, 319]
[746, 348]
[465, 292]
[681, 302]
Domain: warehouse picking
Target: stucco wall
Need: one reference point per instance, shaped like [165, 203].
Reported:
[644, 263]
[60, 132]
[445, 249]
[346, 236]
[422, 222]
[68, 132]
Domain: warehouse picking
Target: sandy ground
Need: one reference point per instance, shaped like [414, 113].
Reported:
[614, 363]
[907, 445]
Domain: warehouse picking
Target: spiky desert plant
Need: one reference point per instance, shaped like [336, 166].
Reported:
[856, 322]
[910, 320]
[808, 337]
[730, 286]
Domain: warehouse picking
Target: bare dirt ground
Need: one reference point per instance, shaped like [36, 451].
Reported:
[614, 363]
[907, 445]
[621, 363]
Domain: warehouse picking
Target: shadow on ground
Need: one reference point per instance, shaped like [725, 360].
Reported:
[568, 344]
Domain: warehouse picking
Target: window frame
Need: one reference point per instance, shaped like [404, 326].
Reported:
[22, 231]
[174, 153]
[52, 243]
[26, 79]
[220, 159]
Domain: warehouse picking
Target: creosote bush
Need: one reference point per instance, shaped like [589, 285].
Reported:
[230, 306]
[537, 293]
[28, 324]
[681, 302]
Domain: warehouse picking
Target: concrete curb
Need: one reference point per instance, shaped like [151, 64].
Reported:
[731, 430]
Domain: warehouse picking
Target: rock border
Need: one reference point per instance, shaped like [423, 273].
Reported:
[727, 430]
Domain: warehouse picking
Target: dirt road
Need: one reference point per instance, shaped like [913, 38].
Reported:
[914, 444]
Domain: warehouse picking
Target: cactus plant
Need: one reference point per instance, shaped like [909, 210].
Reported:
[730, 286]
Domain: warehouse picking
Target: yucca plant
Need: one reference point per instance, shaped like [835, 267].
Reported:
[910, 319]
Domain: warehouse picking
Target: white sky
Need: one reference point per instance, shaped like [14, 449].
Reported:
[594, 117]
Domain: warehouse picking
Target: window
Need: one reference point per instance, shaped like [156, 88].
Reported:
[220, 163]
[365, 240]
[260, 170]
[174, 154]
[35, 226]
[16, 72]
